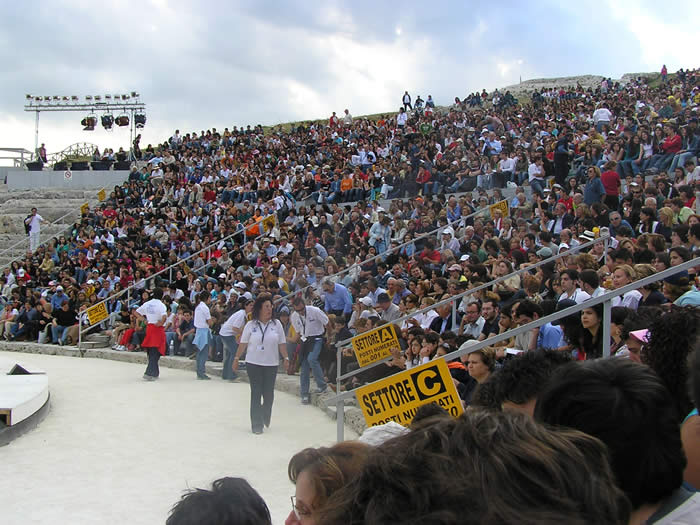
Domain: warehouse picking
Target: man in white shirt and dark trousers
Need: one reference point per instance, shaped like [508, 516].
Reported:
[155, 313]
[310, 323]
[202, 334]
[33, 225]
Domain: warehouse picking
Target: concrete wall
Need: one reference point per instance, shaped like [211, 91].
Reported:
[18, 179]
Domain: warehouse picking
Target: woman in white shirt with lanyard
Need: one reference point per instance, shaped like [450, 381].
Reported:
[263, 338]
[230, 332]
[202, 335]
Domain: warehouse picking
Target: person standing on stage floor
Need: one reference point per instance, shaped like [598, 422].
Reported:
[202, 334]
[33, 224]
[230, 333]
[155, 313]
[310, 323]
[263, 341]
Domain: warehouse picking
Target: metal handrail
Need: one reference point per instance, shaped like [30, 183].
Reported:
[170, 268]
[604, 299]
[387, 252]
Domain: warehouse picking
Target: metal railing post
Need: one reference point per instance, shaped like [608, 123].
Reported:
[606, 328]
[605, 250]
[340, 404]
[454, 314]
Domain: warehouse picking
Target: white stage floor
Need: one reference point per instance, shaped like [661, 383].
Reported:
[115, 449]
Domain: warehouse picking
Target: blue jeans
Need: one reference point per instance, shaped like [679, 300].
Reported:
[58, 331]
[230, 349]
[536, 186]
[171, 337]
[310, 361]
[202, 354]
[484, 181]
[679, 160]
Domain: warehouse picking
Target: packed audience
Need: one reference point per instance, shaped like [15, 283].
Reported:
[359, 223]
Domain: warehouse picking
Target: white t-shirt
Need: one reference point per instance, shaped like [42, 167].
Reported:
[201, 316]
[629, 300]
[311, 324]
[35, 223]
[578, 296]
[153, 310]
[535, 172]
[236, 321]
[263, 340]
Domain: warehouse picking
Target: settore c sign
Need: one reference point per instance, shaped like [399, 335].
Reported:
[397, 398]
[97, 314]
[375, 345]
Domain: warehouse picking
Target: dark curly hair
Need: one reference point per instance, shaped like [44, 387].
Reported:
[671, 340]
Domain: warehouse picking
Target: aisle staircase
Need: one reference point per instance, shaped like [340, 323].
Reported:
[51, 205]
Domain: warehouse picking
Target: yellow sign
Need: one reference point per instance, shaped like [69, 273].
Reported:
[500, 205]
[97, 314]
[268, 223]
[397, 397]
[85, 208]
[101, 195]
[375, 345]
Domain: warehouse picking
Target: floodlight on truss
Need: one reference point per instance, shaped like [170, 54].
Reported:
[122, 120]
[140, 120]
[89, 122]
[107, 121]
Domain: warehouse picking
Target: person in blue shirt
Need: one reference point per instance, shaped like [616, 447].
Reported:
[594, 190]
[337, 298]
[547, 336]
[58, 299]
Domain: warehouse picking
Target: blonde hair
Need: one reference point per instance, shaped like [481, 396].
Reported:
[629, 271]
[666, 216]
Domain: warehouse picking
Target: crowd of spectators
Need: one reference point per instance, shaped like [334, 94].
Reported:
[374, 222]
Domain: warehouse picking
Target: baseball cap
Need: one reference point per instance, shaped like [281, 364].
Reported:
[641, 335]
[563, 305]
[464, 258]
[544, 252]
[366, 301]
[222, 276]
[59, 288]
[455, 268]
[679, 279]
[240, 285]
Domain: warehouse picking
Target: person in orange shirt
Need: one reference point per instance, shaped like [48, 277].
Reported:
[346, 186]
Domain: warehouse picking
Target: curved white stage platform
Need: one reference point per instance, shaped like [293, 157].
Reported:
[24, 396]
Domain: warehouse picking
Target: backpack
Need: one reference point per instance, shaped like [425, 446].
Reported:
[27, 225]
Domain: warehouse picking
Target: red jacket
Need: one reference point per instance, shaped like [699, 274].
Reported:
[672, 144]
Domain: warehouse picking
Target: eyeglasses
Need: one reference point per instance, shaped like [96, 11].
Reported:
[299, 512]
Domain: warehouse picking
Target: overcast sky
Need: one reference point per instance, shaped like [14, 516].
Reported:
[199, 65]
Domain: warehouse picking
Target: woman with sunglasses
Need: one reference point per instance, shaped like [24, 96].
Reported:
[319, 472]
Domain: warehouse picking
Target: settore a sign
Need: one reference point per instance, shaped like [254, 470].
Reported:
[375, 345]
[398, 397]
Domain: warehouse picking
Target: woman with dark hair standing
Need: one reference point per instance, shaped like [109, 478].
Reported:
[264, 340]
